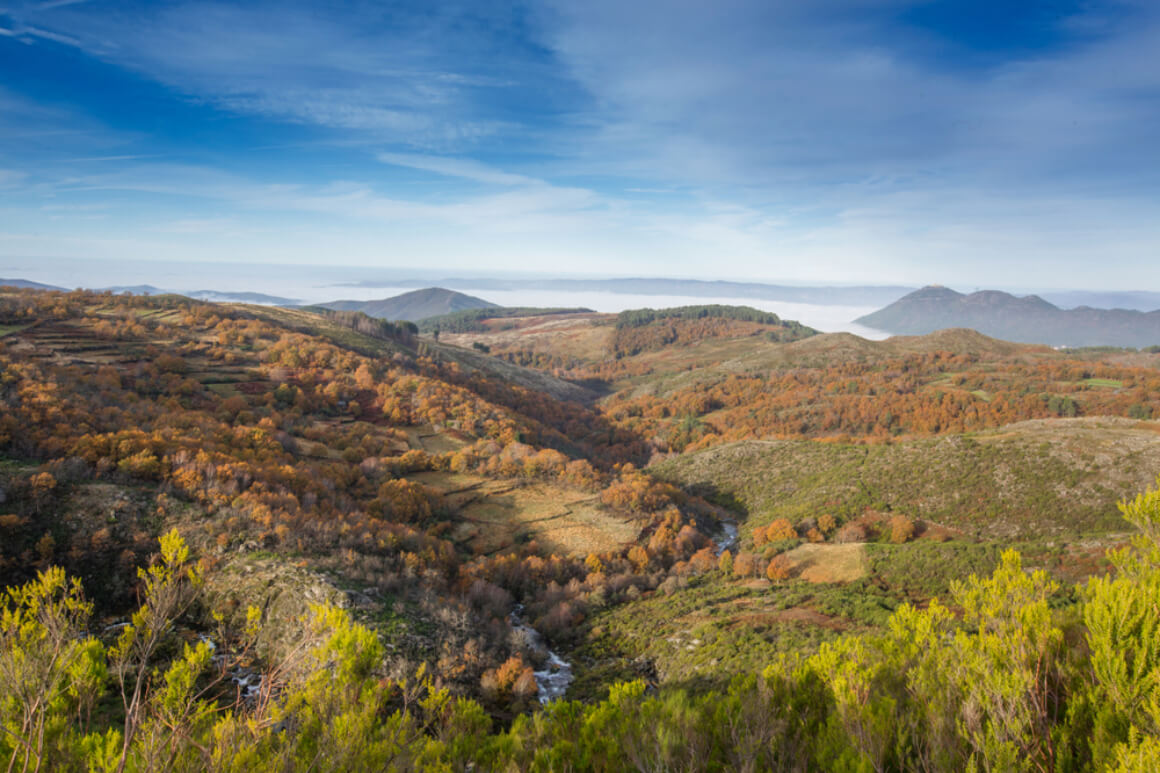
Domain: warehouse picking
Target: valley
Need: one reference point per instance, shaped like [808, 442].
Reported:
[542, 500]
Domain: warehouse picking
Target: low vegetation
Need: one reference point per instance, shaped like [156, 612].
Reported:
[1038, 479]
[643, 330]
[1003, 680]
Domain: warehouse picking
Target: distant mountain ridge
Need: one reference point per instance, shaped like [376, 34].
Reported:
[868, 295]
[226, 296]
[414, 306]
[1027, 319]
[214, 296]
[1140, 300]
[25, 284]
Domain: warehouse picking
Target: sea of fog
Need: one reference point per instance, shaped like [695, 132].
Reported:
[829, 319]
[318, 284]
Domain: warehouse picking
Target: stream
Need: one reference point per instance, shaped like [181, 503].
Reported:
[553, 680]
[728, 538]
[247, 680]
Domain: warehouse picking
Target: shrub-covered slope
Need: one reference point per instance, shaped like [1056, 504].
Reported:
[1043, 478]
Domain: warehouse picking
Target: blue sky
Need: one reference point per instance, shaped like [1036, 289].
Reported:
[978, 143]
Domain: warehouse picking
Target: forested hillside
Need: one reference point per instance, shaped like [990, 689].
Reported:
[242, 538]
[356, 452]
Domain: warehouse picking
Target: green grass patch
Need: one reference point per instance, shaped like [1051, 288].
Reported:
[923, 570]
[222, 390]
[718, 626]
[1109, 383]
[1024, 481]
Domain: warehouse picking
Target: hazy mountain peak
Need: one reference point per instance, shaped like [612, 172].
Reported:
[25, 284]
[415, 305]
[1027, 319]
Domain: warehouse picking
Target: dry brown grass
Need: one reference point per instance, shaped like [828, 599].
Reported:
[822, 563]
[434, 441]
[496, 515]
[584, 336]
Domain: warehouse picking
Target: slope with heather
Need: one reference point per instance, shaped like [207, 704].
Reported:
[1058, 478]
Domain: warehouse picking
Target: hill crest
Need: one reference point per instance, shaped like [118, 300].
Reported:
[415, 305]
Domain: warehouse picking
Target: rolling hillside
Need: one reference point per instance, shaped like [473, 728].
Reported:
[1042, 478]
[285, 445]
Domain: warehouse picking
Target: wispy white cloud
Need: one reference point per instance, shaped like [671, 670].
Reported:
[11, 177]
[31, 131]
[402, 75]
[109, 159]
[55, 37]
[878, 234]
[789, 94]
[50, 4]
[467, 169]
[228, 227]
[531, 206]
[337, 111]
[66, 208]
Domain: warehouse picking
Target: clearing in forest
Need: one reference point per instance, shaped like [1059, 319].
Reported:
[828, 563]
[495, 515]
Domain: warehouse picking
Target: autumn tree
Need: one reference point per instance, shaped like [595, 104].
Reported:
[744, 565]
[780, 529]
[901, 529]
[826, 524]
[778, 569]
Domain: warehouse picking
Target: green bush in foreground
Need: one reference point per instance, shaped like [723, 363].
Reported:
[1003, 683]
